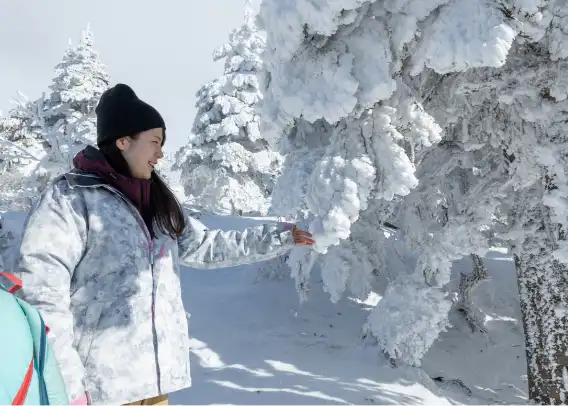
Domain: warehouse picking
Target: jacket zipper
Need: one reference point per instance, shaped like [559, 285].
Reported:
[138, 217]
[151, 258]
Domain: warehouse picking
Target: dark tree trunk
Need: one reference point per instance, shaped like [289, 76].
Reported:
[543, 291]
[468, 283]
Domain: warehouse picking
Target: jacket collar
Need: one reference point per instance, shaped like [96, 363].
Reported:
[92, 169]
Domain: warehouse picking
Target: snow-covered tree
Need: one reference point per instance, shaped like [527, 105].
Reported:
[513, 121]
[39, 138]
[449, 214]
[23, 151]
[165, 167]
[358, 94]
[340, 104]
[227, 166]
[81, 79]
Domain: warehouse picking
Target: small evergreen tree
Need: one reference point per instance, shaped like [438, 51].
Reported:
[39, 138]
[81, 79]
[227, 167]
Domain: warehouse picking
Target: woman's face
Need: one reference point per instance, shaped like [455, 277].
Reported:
[142, 152]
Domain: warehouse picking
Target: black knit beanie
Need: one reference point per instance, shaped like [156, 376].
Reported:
[121, 113]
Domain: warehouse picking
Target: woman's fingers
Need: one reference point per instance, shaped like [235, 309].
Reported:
[302, 237]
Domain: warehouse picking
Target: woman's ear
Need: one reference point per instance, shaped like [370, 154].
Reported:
[123, 143]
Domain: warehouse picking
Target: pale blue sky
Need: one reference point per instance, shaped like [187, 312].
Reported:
[161, 48]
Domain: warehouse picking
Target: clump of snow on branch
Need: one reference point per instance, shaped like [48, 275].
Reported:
[408, 319]
[466, 34]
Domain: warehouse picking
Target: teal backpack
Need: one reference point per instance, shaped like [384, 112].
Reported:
[29, 373]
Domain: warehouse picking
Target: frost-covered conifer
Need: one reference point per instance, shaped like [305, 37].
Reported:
[360, 94]
[227, 166]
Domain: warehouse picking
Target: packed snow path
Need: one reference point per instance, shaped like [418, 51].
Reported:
[252, 343]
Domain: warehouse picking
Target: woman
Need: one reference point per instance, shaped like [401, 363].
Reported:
[100, 258]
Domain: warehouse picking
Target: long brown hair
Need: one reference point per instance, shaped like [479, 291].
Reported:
[165, 208]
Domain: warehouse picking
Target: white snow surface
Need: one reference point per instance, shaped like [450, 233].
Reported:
[253, 342]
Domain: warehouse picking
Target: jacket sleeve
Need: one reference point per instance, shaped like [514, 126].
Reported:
[53, 242]
[202, 248]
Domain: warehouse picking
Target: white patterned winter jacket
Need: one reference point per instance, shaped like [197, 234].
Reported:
[111, 295]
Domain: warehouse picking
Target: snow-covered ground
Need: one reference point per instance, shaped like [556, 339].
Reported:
[493, 364]
[254, 343]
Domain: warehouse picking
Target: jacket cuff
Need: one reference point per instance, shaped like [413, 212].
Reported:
[83, 399]
[287, 226]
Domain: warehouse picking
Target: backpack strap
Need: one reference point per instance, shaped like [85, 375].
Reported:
[44, 398]
[16, 282]
[40, 351]
[24, 388]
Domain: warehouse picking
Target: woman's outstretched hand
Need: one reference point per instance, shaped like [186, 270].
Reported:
[302, 237]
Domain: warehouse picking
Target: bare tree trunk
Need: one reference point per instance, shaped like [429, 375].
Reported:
[543, 290]
[468, 283]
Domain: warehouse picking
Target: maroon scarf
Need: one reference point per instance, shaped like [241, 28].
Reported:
[136, 190]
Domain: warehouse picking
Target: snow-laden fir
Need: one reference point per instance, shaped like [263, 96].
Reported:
[39, 138]
[226, 166]
[444, 117]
